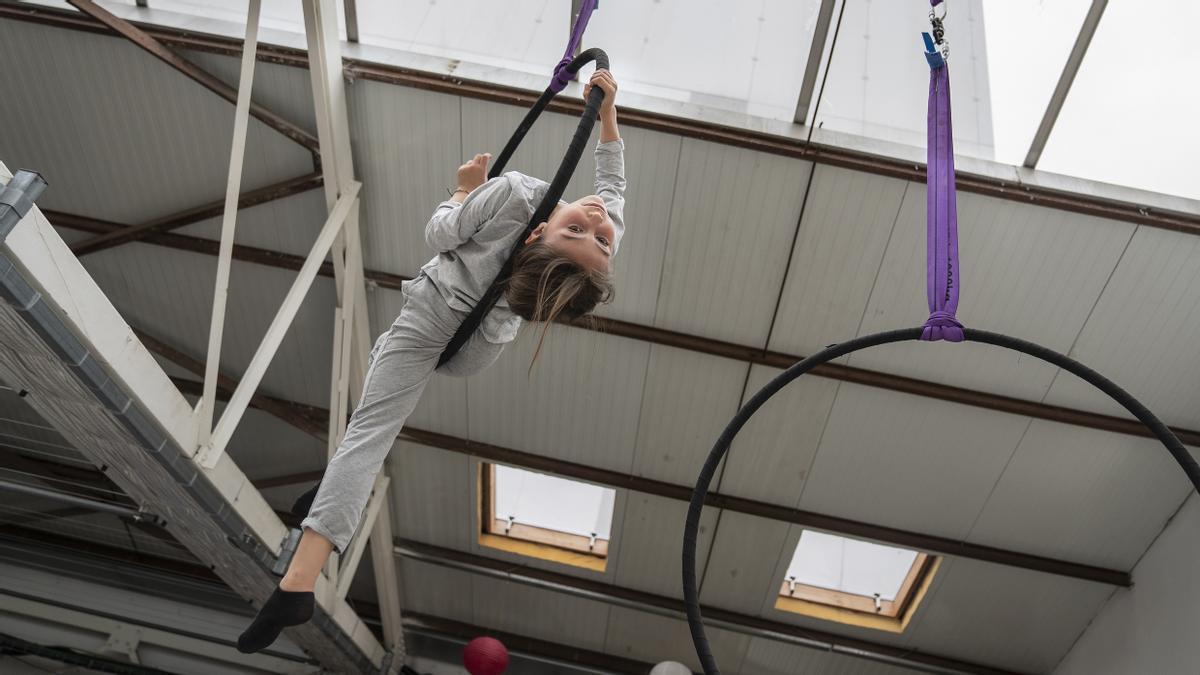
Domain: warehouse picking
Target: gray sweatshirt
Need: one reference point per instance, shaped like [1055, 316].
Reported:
[473, 239]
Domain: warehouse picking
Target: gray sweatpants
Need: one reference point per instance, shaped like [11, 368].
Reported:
[401, 364]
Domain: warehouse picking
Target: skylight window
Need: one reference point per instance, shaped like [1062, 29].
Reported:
[856, 582]
[545, 517]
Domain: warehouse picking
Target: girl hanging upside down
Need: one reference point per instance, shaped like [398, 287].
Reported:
[561, 272]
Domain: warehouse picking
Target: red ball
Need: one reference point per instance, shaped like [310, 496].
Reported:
[485, 656]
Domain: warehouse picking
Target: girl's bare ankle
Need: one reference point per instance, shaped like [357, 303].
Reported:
[292, 585]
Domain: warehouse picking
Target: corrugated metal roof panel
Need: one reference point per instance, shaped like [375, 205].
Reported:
[653, 638]
[126, 137]
[433, 496]
[581, 402]
[1014, 281]
[647, 544]
[565, 619]
[1142, 333]
[847, 225]
[1084, 495]
[908, 462]
[407, 146]
[743, 561]
[732, 223]
[767, 657]
[1006, 617]
[687, 400]
[771, 457]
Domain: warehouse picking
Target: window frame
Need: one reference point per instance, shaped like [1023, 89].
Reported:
[860, 610]
[531, 540]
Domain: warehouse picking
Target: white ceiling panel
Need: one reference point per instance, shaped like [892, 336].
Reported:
[1014, 281]
[435, 590]
[768, 657]
[284, 90]
[1087, 496]
[581, 403]
[121, 135]
[687, 401]
[742, 563]
[265, 446]
[650, 540]
[848, 222]
[733, 219]
[1006, 617]
[653, 639]
[651, 161]
[771, 457]
[1142, 334]
[544, 614]
[406, 145]
[909, 462]
[433, 495]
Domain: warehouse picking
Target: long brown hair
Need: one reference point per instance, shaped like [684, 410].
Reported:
[546, 285]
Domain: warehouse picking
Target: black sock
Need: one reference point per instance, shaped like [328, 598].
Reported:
[304, 502]
[282, 609]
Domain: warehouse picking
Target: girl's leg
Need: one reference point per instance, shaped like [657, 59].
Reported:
[403, 362]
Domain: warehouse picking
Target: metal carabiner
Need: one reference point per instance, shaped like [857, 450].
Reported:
[933, 17]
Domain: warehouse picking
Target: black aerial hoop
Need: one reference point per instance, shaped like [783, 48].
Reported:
[557, 186]
[691, 593]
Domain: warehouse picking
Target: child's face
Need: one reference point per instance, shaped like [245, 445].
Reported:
[581, 230]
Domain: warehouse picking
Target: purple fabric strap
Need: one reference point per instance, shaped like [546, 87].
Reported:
[561, 76]
[942, 214]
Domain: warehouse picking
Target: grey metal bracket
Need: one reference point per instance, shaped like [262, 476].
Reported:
[17, 198]
[286, 550]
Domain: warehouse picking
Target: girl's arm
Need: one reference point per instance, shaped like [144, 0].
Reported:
[610, 155]
[474, 203]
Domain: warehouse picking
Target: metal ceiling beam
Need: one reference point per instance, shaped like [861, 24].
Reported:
[816, 55]
[1084, 40]
[673, 608]
[797, 148]
[130, 233]
[696, 343]
[147, 42]
[615, 479]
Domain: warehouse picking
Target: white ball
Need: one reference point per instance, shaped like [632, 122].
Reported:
[671, 668]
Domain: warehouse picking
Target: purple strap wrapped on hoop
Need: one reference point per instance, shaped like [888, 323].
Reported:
[942, 214]
[561, 76]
